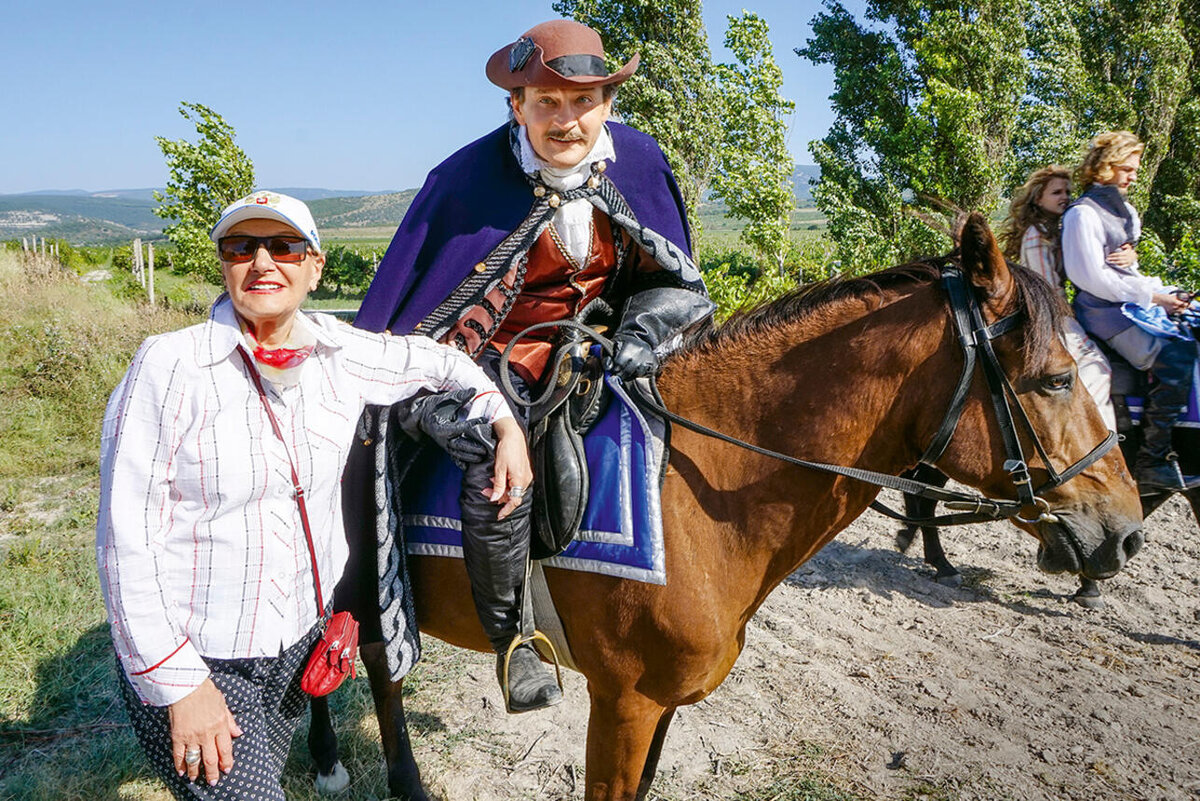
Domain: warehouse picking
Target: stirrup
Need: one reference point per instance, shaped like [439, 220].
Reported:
[517, 642]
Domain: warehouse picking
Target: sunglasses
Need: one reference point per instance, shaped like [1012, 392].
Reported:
[240, 248]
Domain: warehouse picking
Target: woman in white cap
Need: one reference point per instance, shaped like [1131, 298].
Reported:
[214, 581]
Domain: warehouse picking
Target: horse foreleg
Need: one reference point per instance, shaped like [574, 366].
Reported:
[656, 744]
[322, 745]
[622, 733]
[1088, 595]
[945, 573]
[404, 777]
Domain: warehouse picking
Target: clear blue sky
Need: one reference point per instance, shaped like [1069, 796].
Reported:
[349, 95]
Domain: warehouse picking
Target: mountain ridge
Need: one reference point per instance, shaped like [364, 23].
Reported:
[119, 215]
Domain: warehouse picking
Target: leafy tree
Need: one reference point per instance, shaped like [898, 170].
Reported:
[205, 177]
[925, 103]
[754, 166]
[1174, 210]
[1096, 66]
[673, 95]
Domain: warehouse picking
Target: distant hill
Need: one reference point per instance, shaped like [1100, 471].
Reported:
[800, 180]
[81, 219]
[119, 215]
[362, 212]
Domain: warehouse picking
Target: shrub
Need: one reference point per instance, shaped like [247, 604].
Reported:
[349, 270]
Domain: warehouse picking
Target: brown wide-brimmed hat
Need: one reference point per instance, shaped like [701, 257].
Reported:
[561, 53]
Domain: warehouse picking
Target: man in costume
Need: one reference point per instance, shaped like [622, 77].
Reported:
[1115, 302]
[557, 211]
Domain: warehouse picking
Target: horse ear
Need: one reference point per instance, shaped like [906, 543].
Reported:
[984, 264]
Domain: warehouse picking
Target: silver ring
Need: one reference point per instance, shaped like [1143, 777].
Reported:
[516, 492]
[192, 755]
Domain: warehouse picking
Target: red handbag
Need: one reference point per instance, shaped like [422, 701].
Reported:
[333, 657]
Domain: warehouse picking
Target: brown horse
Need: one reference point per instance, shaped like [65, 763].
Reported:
[853, 372]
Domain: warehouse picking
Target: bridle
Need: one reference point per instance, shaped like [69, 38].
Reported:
[975, 337]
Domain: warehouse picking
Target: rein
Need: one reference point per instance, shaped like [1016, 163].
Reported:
[975, 337]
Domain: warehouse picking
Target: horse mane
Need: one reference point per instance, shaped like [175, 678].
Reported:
[1043, 307]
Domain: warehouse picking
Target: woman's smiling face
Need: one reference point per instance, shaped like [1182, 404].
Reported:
[267, 293]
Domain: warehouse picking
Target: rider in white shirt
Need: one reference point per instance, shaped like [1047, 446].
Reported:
[1102, 222]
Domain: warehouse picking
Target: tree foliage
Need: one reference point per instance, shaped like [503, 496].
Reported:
[349, 270]
[925, 106]
[754, 169]
[672, 96]
[1097, 66]
[961, 101]
[205, 177]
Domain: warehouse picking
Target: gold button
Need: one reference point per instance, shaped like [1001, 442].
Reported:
[593, 182]
[601, 166]
[480, 267]
[554, 201]
[539, 191]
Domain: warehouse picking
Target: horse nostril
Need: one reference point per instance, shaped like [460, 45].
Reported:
[1133, 543]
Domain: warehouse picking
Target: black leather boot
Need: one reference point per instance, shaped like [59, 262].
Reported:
[1156, 467]
[495, 552]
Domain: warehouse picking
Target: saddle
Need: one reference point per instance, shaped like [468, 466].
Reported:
[572, 403]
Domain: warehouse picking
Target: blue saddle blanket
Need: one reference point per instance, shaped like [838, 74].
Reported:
[621, 533]
[1155, 320]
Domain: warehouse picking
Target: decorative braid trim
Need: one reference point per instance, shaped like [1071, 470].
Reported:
[510, 258]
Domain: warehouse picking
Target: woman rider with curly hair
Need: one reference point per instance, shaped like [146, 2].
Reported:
[1030, 236]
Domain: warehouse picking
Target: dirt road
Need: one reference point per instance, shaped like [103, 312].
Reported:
[863, 679]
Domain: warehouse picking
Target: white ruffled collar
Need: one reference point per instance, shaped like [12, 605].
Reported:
[564, 178]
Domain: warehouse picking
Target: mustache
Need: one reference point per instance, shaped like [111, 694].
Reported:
[565, 136]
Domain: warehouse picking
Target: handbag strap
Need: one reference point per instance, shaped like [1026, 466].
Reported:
[312, 553]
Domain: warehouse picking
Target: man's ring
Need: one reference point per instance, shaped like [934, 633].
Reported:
[192, 755]
[516, 492]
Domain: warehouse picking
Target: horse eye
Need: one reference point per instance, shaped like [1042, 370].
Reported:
[1058, 383]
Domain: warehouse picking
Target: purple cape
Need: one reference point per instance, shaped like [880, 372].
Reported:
[477, 197]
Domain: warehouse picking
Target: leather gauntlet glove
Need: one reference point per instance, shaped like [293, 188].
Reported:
[440, 417]
[652, 317]
[631, 358]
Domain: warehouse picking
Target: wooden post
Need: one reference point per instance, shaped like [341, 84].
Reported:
[24, 244]
[137, 261]
[150, 270]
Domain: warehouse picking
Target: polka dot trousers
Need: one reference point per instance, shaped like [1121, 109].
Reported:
[265, 698]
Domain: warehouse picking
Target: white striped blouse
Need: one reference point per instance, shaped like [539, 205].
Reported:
[199, 541]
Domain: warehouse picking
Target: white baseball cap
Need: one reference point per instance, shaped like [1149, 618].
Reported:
[269, 205]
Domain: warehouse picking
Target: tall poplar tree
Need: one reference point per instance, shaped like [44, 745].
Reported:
[925, 104]
[204, 178]
[673, 95]
[754, 165]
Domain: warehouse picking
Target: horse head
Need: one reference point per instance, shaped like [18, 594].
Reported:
[1091, 523]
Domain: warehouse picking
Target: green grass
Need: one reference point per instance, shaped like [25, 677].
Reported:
[63, 347]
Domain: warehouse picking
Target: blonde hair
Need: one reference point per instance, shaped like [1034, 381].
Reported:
[1024, 211]
[1106, 151]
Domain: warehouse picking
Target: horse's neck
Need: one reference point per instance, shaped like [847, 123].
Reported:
[842, 389]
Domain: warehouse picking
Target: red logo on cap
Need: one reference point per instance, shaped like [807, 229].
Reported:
[262, 201]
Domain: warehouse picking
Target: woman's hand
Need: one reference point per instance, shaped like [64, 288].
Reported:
[512, 466]
[1124, 256]
[202, 719]
[1174, 304]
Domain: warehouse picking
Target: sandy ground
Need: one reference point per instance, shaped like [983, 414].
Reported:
[862, 673]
